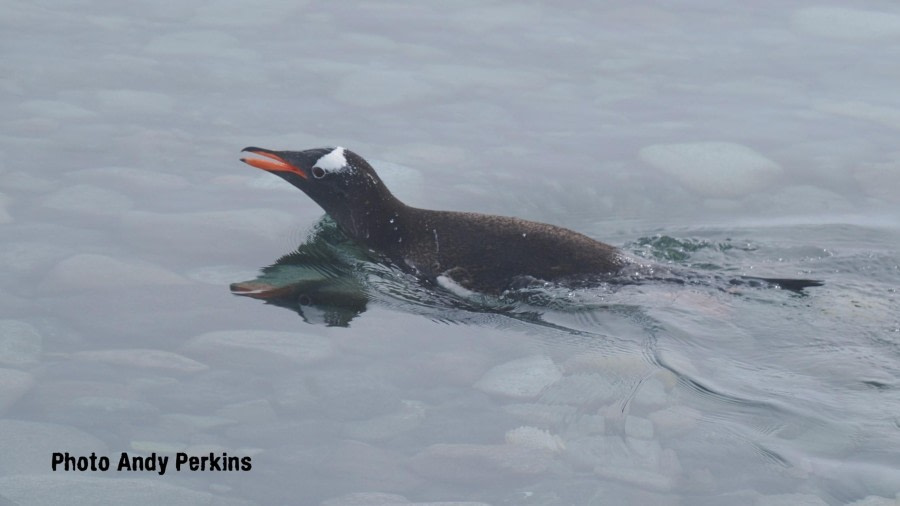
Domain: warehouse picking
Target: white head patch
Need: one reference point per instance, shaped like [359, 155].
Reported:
[333, 161]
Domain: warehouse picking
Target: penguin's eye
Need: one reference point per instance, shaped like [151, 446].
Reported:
[318, 172]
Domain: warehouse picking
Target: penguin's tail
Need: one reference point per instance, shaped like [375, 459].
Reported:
[789, 284]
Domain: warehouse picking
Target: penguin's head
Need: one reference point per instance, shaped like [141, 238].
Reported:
[335, 178]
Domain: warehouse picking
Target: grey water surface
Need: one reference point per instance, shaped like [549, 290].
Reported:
[742, 138]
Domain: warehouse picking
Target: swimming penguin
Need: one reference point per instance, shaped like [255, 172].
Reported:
[478, 252]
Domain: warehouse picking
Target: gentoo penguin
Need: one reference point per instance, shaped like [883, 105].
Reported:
[478, 252]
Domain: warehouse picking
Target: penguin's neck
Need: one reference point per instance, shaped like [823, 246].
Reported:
[378, 223]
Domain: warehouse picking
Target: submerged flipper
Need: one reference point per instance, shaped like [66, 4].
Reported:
[791, 285]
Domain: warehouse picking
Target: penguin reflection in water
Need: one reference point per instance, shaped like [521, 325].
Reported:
[463, 252]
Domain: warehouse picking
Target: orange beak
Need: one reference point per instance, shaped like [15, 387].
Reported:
[271, 162]
[261, 290]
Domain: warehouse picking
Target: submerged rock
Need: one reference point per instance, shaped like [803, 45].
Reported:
[382, 88]
[638, 427]
[130, 178]
[259, 347]
[89, 271]
[33, 443]
[524, 378]
[880, 180]
[28, 256]
[364, 466]
[20, 343]
[143, 359]
[4, 214]
[790, 500]
[647, 480]
[253, 412]
[211, 43]
[56, 109]
[583, 390]
[858, 109]
[874, 500]
[104, 411]
[134, 102]
[381, 499]
[194, 232]
[535, 439]
[624, 459]
[847, 23]
[13, 385]
[88, 199]
[38, 490]
[470, 463]
[651, 393]
[801, 199]
[675, 420]
[713, 169]
[410, 416]
[544, 414]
